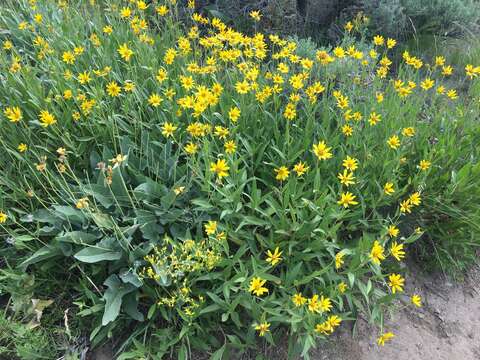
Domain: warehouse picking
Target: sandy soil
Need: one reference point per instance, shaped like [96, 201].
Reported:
[447, 327]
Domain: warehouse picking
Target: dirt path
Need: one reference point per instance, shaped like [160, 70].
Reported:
[447, 327]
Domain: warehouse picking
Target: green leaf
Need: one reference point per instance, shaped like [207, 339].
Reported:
[182, 353]
[70, 214]
[204, 204]
[101, 193]
[103, 221]
[113, 297]
[251, 220]
[218, 355]
[77, 237]
[130, 304]
[95, 254]
[210, 308]
[44, 253]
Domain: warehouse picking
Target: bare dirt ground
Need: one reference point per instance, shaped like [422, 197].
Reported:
[447, 327]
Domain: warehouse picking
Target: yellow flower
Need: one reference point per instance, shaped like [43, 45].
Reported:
[256, 286]
[427, 84]
[347, 199]
[125, 12]
[397, 251]
[347, 130]
[234, 114]
[47, 119]
[396, 283]
[125, 52]
[283, 68]
[447, 70]
[178, 190]
[348, 26]
[374, 118]
[67, 75]
[117, 160]
[282, 173]
[155, 100]
[3, 217]
[472, 71]
[68, 57]
[168, 129]
[242, 87]
[262, 328]
[408, 131]
[211, 227]
[22, 147]
[162, 10]
[334, 320]
[379, 97]
[339, 260]
[393, 231]
[376, 253]
[394, 142]
[221, 132]
[187, 82]
[129, 86]
[108, 29]
[342, 287]
[82, 203]
[162, 75]
[300, 168]
[415, 198]
[416, 300]
[84, 78]
[142, 5]
[339, 52]
[113, 89]
[452, 94]
[384, 338]
[322, 151]
[230, 147]
[323, 328]
[220, 168]
[388, 188]
[255, 15]
[191, 148]
[406, 206]
[298, 299]
[13, 113]
[350, 163]
[319, 305]
[346, 178]
[391, 43]
[7, 45]
[290, 111]
[378, 40]
[329, 325]
[424, 165]
[78, 50]
[67, 94]
[275, 257]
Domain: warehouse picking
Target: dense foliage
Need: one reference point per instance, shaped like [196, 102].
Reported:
[177, 184]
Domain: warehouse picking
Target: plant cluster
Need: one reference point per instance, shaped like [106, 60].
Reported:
[202, 188]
